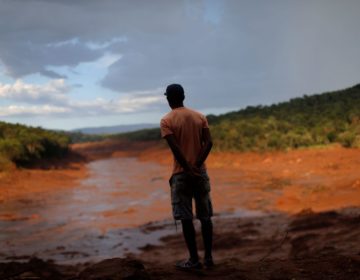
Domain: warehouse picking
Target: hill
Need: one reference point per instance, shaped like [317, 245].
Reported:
[21, 144]
[319, 119]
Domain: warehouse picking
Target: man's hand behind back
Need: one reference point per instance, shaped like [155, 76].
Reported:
[194, 171]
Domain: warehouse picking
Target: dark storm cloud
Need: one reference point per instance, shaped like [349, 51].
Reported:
[29, 58]
[259, 52]
[252, 52]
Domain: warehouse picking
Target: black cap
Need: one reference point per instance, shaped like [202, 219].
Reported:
[174, 90]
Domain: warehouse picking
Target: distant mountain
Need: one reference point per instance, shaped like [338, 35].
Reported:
[114, 129]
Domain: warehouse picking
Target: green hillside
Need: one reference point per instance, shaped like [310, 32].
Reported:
[21, 144]
[318, 119]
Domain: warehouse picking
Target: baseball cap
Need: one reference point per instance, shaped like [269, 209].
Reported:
[174, 90]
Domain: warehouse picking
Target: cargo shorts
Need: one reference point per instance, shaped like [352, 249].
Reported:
[184, 188]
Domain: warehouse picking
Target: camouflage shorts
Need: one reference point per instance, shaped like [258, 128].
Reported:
[183, 189]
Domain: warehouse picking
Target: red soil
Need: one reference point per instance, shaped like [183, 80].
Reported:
[277, 246]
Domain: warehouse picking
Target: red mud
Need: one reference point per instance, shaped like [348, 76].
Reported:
[279, 245]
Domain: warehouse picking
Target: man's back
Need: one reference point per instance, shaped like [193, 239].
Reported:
[186, 125]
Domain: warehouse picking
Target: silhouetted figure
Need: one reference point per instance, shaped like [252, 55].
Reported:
[188, 136]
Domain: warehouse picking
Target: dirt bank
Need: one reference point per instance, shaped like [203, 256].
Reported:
[42, 176]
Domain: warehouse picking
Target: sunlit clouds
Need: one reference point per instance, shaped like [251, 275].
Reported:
[54, 95]
[52, 91]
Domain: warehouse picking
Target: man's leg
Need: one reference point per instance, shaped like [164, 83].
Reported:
[204, 212]
[190, 239]
[207, 235]
[181, 198]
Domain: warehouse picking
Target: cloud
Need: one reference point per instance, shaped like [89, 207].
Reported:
[62, 105]
[54, 91]
[231, 54]
[254, 52]
[66, 33]
[121, 105]
[135, 103]
[24, 58]
[25, 111]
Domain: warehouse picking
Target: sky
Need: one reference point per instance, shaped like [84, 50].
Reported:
[68, 64]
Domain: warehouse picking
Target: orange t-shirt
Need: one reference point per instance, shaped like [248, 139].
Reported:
[186, 125]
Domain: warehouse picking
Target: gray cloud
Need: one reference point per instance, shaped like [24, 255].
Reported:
[260, 52]
[23, 58]
[252, 52]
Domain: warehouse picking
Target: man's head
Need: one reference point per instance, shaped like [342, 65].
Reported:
[175, 95]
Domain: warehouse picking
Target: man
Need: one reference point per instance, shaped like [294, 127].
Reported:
[188, 136]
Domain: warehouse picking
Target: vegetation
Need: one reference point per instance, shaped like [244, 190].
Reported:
[319, 119]
[79, 137]
[21, 144]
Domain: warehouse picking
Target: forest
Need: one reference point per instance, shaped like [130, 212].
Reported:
[21, 144]
[315, 120]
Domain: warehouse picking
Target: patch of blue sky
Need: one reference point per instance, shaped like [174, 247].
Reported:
[213, 11]
[5, 102]
[4, 78]
[94, 45]
[85, 78]
[72, 41]
[35, 79]
[103, 45]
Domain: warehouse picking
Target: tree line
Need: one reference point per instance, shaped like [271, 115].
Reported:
[21, 144]
[319, 119]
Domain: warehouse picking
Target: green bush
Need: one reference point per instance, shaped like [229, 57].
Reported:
[11, 149]
[22, 144]
[347, 139]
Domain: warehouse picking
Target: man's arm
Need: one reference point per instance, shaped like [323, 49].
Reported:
[206, 148]
[179, 156]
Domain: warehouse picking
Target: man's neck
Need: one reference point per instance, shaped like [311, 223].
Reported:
[177, 106]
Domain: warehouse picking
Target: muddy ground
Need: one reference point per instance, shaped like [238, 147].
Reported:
[309, 226]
